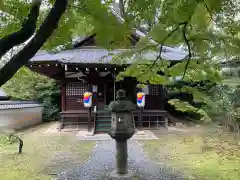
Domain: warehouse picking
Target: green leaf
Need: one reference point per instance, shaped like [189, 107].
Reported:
[197, 94]
[184, 106]
[158, 79]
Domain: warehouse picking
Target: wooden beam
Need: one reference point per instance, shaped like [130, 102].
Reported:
[51, 71]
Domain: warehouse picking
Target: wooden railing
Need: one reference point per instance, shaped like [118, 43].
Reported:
[75, 114]
[153, 118]
[150, 118]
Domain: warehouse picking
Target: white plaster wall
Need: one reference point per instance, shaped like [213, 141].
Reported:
[19, 118]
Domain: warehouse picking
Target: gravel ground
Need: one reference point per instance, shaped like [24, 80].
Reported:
[102, 162]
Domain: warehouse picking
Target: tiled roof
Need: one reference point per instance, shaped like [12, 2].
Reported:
[99, 56]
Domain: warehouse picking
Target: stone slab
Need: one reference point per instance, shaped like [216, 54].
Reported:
[81, 135]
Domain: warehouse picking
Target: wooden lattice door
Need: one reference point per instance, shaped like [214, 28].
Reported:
[74, 95]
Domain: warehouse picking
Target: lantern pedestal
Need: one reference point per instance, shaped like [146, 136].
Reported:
[121, 157]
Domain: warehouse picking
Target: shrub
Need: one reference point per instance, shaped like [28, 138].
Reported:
[28, 85]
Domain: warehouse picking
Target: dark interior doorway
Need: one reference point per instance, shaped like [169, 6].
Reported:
[128, 84]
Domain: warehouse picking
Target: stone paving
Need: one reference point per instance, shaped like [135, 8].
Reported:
[102, 163]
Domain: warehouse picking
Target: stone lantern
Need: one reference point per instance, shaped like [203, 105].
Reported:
[122, 128]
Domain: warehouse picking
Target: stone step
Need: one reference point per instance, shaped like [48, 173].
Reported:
[103, 120]
[102, 129]
[103, 125]
[103, 116]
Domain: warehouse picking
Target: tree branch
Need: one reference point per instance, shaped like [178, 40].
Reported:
[159, 56]
[41, 36]
[11, 134]
[163, 42]
[208, 9]
[122, 8]
[189, 48]
[27, 30]
[20, 146]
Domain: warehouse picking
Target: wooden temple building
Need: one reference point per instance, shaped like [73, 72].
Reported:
[83, 69]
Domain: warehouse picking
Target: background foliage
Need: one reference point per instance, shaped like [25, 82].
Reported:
[28, 85]
[224, 104]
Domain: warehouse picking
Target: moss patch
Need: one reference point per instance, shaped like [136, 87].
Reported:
[38, 152]
[204, 157]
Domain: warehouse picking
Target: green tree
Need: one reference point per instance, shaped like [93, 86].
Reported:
[207, 30]
[224, 106]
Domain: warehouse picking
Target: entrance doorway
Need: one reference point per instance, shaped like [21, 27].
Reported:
[129, 85]
[110, 92]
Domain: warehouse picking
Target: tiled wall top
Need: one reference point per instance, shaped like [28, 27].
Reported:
[18, 104]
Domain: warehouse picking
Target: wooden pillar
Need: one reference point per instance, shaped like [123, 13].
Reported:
[89, 119]
[140, 118]
[90, 109]
[63, 97]
[63, 104]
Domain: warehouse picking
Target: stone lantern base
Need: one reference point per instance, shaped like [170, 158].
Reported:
[115, 175]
